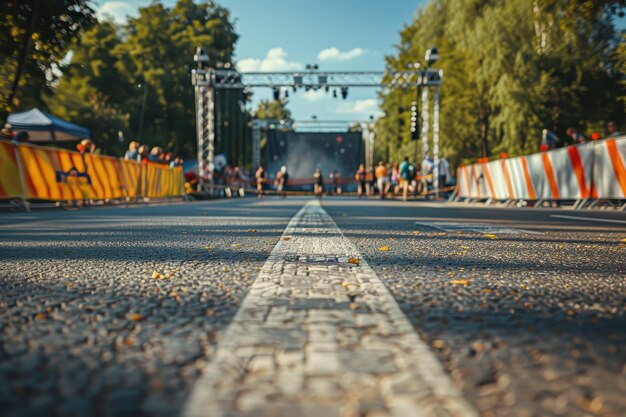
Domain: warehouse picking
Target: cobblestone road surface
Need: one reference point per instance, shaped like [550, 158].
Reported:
[528, 324]
[116, 311]
[88, 328]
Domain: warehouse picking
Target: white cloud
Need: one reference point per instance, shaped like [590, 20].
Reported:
[335, 54]
[367, 106]
[116, 10]
[275, 60]
[313, 95]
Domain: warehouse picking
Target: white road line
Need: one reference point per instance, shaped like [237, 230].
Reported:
[318, 335]
[590, 219]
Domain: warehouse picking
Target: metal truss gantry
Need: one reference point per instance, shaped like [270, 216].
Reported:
[207, 80]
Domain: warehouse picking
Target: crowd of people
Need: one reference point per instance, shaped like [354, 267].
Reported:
[550, 140]
[402, 178]
[143, 153]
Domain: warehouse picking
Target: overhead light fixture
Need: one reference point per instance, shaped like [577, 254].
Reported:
[431, 56]
[344, 92]
[276, 93]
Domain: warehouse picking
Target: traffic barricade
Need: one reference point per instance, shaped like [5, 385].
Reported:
[592, 170]
[32, 172]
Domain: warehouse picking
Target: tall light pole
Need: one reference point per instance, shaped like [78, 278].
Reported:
[432, 56]
[205, 107]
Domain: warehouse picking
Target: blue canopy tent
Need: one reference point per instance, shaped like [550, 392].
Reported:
[43, 127]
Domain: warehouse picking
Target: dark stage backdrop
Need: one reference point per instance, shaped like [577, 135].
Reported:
[303, 152]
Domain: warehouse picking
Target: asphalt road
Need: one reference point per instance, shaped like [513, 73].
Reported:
[115, 311]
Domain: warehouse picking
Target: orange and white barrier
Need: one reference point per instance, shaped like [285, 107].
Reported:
[609, 169]
[594, 170]
[38, 173]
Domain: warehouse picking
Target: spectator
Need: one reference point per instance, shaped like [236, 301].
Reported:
[613, 129]
[143, 153]
[577, 137]
[407, 173]
[86, 146]
[371, 181]
[7, 134]
[337, 182]
[444, 172]
[428, 166]
[394, 179]
[360, 177]
[381, 178]
[177, 162]
[549, 140]
[155, 154]
[21, 137]
[169, 157]
[132, 154]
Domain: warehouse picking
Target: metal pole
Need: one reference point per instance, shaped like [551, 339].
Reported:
[199, 121]
[205, 124]
[425, 111]
[256, 143]
[143, 110]
[436, 142]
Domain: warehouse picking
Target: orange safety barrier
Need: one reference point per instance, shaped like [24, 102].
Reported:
[10, 183]
[593, 170]
[39, 173]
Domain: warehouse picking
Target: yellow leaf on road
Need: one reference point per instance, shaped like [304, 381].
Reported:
[41, 316]
[464, 282]
[417, 232]
[135, 317]
[490, 235]
[354, 261]
[384, 248]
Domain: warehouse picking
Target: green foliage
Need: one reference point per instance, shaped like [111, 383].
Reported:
[154, 53]
[273, 110]
[510, 68]
[41, 32]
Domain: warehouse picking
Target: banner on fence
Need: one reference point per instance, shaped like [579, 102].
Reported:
[39, 173]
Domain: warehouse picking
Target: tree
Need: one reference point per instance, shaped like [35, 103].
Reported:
[273, 110]
[503, 83]
[159, 47]
[35, 36]
[113, 67]
[93, 92]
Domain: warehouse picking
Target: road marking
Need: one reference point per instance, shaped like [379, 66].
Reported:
[591, 219]
[320, 336]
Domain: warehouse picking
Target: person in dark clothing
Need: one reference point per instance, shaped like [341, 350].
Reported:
[318, 185]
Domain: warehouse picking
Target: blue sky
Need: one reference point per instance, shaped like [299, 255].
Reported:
[288, 34]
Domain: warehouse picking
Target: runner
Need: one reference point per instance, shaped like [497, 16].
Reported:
[381, 178]
[318, 185]
[360, 177]
[337, 182]
[281, 181]
[260, 180]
